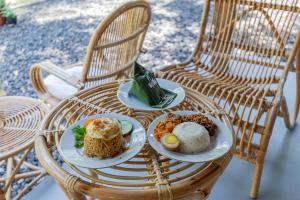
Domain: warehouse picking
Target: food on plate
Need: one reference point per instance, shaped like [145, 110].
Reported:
[170, 141]
[190, 132]
[126, 127]
[193, 137]
[202, 120]
[103, 138]
[87, 122]
[163, 128]
[79, 133]
[172, 120]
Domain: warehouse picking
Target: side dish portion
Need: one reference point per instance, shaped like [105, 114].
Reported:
[188, 134]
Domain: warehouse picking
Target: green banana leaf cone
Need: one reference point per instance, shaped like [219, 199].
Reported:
[146, 89]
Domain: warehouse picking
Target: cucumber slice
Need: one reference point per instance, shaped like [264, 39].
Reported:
[126, 127]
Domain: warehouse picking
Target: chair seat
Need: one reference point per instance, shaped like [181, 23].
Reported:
[59, 88]
[221, 88]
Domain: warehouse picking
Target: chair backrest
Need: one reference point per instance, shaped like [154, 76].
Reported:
[249, 40]
[116, 43]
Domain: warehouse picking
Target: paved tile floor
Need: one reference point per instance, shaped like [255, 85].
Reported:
[280, 180]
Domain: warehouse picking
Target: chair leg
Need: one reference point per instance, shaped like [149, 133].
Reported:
[293, 116]
[290, 118]
[286, 115]
[256, 180]
[264, 142]
[297, 109]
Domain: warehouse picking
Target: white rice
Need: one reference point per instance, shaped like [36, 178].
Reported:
[193, 137]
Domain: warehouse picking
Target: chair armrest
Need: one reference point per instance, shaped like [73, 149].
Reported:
[58, 72]
[165, 68]
[173, 66]
[39, 86]
[161, 71]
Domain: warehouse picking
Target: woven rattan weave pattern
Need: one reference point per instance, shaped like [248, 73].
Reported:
[244, 54]
[20, 117]
[148, 175]
[112, 50]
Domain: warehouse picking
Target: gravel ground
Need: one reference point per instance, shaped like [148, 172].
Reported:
[59, 30]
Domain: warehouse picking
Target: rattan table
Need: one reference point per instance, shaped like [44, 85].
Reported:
[148, 175]
[20, 118]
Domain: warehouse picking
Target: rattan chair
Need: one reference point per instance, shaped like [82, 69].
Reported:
[113, 48]
[242, 60]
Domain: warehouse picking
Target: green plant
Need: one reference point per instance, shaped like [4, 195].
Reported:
[8, 12]
[2, 3]
[2, 6]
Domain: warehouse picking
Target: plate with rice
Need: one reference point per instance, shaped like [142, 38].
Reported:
[102, 140]
[190, 136]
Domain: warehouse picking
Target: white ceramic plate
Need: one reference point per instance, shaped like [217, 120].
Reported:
[220, 143]
[135, 143]
[132, 102]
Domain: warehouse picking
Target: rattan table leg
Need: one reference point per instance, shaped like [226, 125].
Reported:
[16, 168]
[72, 195]
[9, 167]
[62, 187]
[198, 195]
[89, 198]
[13, 166]
[30, 185]
[93, 174]
[76, 196]
[69, 184]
